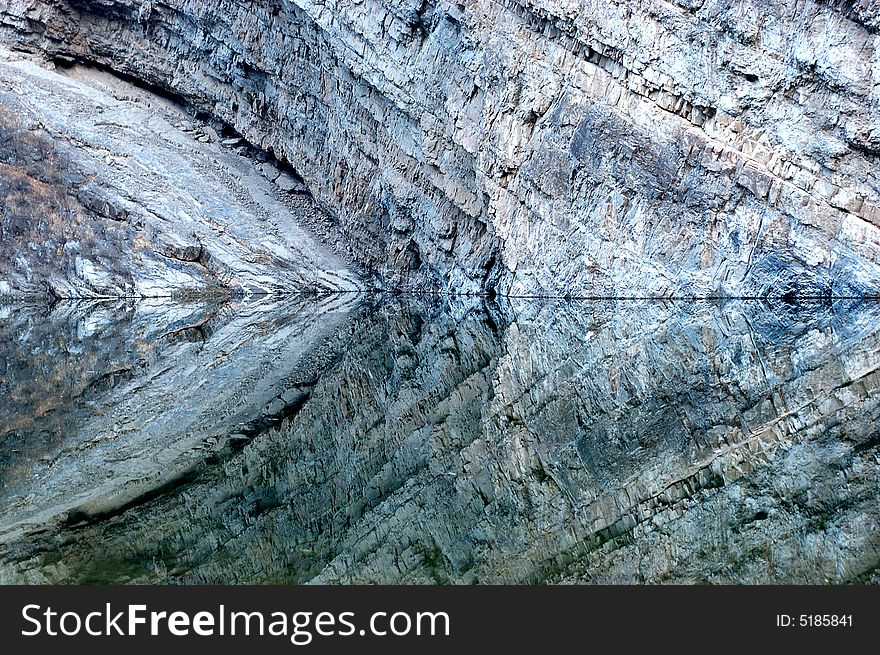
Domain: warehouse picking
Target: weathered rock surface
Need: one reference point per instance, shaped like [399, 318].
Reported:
[103, 403]
[106, 190]
[549, 147]
[600, 442]
[581, 147]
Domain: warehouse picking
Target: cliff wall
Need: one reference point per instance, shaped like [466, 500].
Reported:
[552, 147]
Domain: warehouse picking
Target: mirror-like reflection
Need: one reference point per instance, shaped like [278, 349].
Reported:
[103, 403]
[427, 441]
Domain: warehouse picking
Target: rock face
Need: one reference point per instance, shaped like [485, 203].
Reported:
[524, 147]
[520, 443]
[109, 191]
[106, 402]
[553, 147]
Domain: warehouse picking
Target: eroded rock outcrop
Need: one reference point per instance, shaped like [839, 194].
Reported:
[105, 403]
[601, 442]
[581, 147]
[107, 190]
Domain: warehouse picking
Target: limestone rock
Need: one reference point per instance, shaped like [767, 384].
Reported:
[103, 196]
[517, 443]
[549, 147]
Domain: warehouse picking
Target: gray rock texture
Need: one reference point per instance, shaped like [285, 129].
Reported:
[521, 443]
[106, 402]
[550, 147]
[109, 191]
[517, 148]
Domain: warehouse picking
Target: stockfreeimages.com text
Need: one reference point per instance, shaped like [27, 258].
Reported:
[300, 627]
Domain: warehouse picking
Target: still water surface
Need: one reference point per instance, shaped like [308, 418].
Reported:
[352, 439]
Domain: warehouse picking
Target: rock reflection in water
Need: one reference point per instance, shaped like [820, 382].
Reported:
[411, 441]
[103, 402]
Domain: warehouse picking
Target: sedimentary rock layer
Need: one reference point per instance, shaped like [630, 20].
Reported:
[581, 147]
[110, 191]
[106, 402]
[602, 442]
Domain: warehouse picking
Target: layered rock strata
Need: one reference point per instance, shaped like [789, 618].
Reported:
[550, 147]
[106, 403]
[604, 442]
[110, 191]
